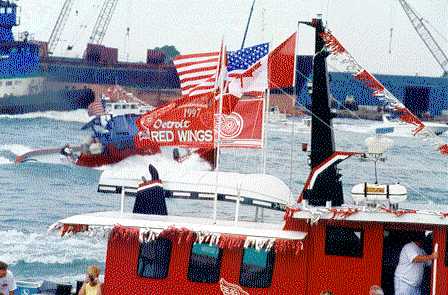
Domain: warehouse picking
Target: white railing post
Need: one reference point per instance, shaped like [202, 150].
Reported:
[122, 201]
[237, 209]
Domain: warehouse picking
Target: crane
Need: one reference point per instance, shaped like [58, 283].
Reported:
[103, 21]
[426, 36]
[56, 33]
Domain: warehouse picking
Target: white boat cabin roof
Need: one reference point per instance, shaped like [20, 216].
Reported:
[410, 215]
[159, 223]
[260, 190]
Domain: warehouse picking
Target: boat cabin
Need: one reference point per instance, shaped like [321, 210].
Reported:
[123, 107]
[343, 249]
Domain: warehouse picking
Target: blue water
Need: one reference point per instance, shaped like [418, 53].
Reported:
[36, 194]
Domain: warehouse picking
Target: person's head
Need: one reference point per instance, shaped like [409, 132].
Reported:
[418, 238]
[93, 272]
[326, 293]
[153, 172]
[376, 290]
[3, 269]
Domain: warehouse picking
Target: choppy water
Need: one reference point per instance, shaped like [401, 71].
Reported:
[35, 195]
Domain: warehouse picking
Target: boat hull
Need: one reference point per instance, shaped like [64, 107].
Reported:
[62, 100]
[112, 155]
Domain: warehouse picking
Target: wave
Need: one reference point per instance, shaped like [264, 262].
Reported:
[49, 248]
[16, 149]
[138, 165]
[79, 116]
[4, 161]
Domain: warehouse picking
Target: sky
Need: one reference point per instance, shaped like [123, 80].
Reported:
[363, 27]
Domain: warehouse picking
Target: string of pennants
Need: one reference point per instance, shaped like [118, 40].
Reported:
[183, 235]
[351, 65]
[345, 212]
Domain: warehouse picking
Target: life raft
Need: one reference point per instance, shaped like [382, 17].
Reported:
[378, 193]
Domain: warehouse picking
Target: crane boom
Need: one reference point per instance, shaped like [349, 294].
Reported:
[426, 36]
[56, 33]
[103, 21]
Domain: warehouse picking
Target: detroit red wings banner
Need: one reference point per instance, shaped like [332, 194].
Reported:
[192, 124]
[188, 122]
[243, 127]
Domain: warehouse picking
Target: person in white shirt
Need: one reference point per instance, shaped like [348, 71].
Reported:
[7, 281]
[411, 266]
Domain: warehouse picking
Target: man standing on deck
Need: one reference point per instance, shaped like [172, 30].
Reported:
[7, 281]
[411, 266]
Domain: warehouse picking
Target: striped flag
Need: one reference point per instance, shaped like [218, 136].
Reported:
[197, 72]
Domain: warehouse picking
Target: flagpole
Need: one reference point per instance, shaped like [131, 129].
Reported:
[218, 130]
[265, 127]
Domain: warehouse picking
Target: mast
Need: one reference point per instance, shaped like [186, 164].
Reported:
[327, 186]
[248, 23]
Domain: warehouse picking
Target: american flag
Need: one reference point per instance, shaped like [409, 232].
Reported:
[197, 72]
[96, 108]
[244, 58]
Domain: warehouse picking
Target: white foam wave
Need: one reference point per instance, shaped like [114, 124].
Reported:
[80, 116]
[48, 248]
[4, 161]
[16, 149]
[137, 166]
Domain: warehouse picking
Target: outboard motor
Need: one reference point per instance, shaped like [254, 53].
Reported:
[151, 195]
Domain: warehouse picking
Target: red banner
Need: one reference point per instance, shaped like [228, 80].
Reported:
[191, 124]
[244, 126]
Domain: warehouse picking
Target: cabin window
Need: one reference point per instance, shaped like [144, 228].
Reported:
[17, 82]
[343, 241]
[9, 10]
[2, 10]
[154, 259]
[8, 83]
[205, 263]
[256, 268]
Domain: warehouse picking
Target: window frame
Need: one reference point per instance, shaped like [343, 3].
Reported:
[270, 261]
[167, 260]
[446, 246]
[219, 261]
[329, 251]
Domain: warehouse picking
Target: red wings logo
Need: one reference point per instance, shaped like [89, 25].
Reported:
[231, 125]
[230, 289]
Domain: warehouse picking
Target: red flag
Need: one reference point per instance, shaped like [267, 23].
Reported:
[243, 127]
[281, 63]
[191, 123]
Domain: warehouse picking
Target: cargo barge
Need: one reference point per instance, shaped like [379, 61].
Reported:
[23, 86]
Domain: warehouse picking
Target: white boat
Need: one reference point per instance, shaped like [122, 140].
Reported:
[123, 107]
[401, 128]
[275, 116]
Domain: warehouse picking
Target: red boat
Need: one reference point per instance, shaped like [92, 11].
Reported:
[322, 243]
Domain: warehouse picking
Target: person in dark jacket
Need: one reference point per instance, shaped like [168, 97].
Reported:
[150, 197]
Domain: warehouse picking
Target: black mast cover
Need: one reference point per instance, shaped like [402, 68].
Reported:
[328, 186]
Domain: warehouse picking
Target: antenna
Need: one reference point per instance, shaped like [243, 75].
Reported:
[248, 22]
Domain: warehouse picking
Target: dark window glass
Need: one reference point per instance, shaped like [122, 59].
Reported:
[342, 241]
[154, 259]
[205, 263]
[256, 268]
